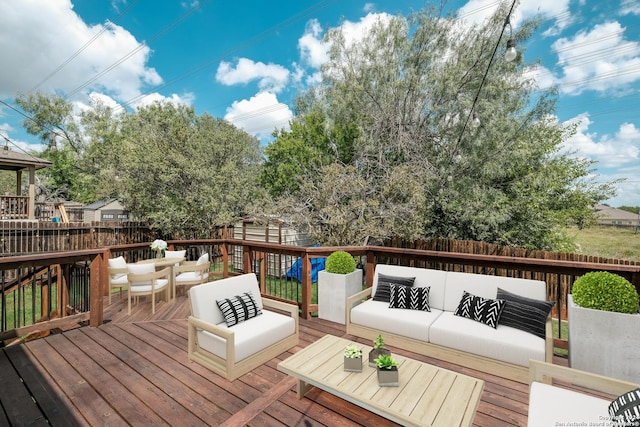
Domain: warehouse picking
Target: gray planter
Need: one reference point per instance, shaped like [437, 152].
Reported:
[388, 377]
[604, 342]
[333, 291]
[374, 353]
[353, 364]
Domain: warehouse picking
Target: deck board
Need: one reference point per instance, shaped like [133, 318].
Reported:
[134, 370]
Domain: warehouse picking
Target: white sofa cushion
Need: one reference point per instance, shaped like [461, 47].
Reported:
[502, 343]
[487, 287]
[551, 406]
[409, 323]
[251, 336]
[423, 277]
[203, 297]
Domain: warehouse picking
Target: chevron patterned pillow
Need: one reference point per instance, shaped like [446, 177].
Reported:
[410, 298]
[625, 409]
[483, 310]
[238, 308]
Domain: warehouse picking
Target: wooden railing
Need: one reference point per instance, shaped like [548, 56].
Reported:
[14, 207]
[286, 272]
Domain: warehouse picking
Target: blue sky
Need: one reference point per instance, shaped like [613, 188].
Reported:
[245, 61]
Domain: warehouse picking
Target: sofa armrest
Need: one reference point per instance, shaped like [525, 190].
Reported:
[363, 294]
[282, 306]
[546, 372]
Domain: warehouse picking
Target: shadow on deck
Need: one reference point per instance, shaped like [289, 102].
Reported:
[134, 370]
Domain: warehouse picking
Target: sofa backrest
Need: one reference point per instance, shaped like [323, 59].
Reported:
[424, 277]
[203, 297]
[487, 286]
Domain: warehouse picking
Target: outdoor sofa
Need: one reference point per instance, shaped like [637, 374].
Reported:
[504, 350]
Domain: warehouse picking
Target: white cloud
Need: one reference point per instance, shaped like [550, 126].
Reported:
[369, 7]
[630, 7]
[55, 32]
[313, 50]
[599, 59]
[271, 77]
[260, 115]
[475, 12]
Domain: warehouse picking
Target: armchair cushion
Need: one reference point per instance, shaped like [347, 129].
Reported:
[175, 254]
[118, 262]
[238, 308]
[143, 268]
[204, 258]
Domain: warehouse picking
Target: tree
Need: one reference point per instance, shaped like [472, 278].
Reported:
[419, 168]
[186, 173]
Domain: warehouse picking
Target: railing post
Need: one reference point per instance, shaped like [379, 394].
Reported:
[225, 259]
[306, 286]
[370, 268]
[98, 272]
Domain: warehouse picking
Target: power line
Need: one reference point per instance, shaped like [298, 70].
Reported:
[81, 49]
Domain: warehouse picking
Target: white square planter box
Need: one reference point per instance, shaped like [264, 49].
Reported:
[604, 342]
[333, 291]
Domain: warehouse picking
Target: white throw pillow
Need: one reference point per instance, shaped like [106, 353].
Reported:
[204, 258]
[118, 262]
[142, 268]
[175, 254]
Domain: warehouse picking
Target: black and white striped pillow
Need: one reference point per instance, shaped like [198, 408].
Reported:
[483, 310]
[238, 308]
[625, 409]
[383, 288]
[409, 297]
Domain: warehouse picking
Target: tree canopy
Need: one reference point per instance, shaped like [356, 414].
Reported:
[182, 172]
[418, 168]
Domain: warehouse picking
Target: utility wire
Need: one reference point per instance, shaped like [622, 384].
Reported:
[106, 26]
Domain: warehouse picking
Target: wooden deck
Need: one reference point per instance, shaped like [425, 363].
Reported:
[134, 370]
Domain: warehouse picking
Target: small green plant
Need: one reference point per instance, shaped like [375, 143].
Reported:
[340, 262]
[352, 352]
[602, 290]
[385, 361]
[378, 343]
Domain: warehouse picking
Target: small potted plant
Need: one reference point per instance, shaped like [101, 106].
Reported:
[603, 326]
[387, 371]
[339, 280]
[377, 350]
[352, 359]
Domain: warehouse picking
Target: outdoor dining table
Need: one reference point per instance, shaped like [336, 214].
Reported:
[162, 263]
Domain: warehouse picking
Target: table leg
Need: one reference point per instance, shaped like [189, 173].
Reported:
[303, 388]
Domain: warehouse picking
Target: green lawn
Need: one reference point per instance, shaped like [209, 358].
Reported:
[607, 242]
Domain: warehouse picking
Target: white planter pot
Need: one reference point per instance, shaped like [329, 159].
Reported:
[604, 342]
[333, 291]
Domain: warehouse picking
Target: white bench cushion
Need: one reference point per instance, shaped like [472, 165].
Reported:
[503, 343]
[487, 287]
[550, 406]
[251, 336]
[409, 323]
[203, 297]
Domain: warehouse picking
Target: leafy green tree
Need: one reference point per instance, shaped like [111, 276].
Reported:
[186, 173]
[419, 167]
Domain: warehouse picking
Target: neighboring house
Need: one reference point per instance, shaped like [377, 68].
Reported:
[612, 216]
[105, 210]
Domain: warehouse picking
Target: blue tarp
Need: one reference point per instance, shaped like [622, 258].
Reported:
[295, 272]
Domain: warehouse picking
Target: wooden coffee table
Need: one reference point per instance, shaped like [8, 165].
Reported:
[426, 395]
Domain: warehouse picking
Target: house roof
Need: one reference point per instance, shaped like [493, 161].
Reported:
[17, 161]
[607, 212]
[99, 204]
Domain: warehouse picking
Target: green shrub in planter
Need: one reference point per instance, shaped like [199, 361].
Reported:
[340, 262]
[601, 290]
